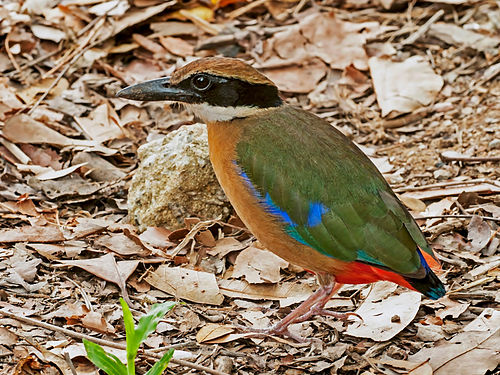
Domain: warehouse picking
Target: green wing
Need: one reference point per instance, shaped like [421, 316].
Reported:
[326, 192]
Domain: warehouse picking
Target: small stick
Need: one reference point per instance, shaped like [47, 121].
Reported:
[445, 184]
[110, 344]
[241, 11]
[70, 363]
[11, 56]
[469, 158]
[33, 62]
[457, 216]
[424, 28]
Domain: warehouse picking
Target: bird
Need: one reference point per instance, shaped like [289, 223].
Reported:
[305, 190]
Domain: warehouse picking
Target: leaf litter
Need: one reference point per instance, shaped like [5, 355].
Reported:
[415, 86]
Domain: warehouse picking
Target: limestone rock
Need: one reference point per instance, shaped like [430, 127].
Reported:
[175, 180]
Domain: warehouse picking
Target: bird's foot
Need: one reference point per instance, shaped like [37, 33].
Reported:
[314, 305]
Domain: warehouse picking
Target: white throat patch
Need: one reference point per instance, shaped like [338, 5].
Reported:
[210, 113]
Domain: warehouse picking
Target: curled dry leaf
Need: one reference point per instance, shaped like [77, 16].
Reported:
[258, 266]
[213, 331]
[378, 311]
[188, 284]
[479, 233]
[402, 87]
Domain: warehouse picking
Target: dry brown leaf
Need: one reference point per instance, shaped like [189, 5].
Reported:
[102, 124]
[298, 78]
[188, 284]
[467, 353]
[258, 266]
[177, 46]
[395, 96]
[96, 322]
[413, 204]
[48, 33]
[412, 368]
[23, 129]
[451, 308]
[213, 331]
[384, 315]
[28, 233]
[107, 269]
[287, 293]
[225, 246]
[157, 237]
[121, 244]
[479, 233]
[456, 35]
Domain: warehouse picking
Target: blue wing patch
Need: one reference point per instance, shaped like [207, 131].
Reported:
[316, 209]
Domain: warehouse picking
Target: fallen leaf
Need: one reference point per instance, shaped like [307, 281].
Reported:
[107, 269]
[395, 96]
[467, 353]
[479, 233]
[225, 246]
[121, 244]
[177, 46]
[456, 35]
[213, 331]
[378, 310]
[298, 78]
[451, 308]
[286, 293]
[48, 33]
[29, 233]
[258, 266]
[188, 284]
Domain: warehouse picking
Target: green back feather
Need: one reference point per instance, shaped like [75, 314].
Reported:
[300, 161]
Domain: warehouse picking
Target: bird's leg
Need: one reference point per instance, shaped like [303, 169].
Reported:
[314, 305]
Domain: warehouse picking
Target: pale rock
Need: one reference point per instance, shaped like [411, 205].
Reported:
[175, 180]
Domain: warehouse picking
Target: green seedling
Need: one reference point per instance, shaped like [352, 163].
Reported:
[111, 364]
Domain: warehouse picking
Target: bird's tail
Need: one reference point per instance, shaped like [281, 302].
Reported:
[429, 285]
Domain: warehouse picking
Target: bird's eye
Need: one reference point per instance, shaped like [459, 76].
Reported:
[201, 82]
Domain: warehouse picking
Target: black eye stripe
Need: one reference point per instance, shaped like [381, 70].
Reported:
[231, 92]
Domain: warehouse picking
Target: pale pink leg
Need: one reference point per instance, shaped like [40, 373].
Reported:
[310, 307]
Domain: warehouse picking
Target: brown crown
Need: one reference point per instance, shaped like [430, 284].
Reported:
[222, 67]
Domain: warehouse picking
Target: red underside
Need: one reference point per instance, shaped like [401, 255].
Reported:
[360, 273]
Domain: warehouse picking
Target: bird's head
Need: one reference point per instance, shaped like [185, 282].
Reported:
[214, 89]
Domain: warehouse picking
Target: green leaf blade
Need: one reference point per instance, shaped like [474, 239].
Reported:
[162, 364]
[107, 362]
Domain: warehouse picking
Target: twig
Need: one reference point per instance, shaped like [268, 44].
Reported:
[77, 52]
[201, 23]
[424, 28]
[446, 184]
[241, 11]
[62, 73]
[11, 56]
[39, 59]
[456, 216]
[70, 363]
[83, 292]
[417, 115]
[107, 343]
[468, 158]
